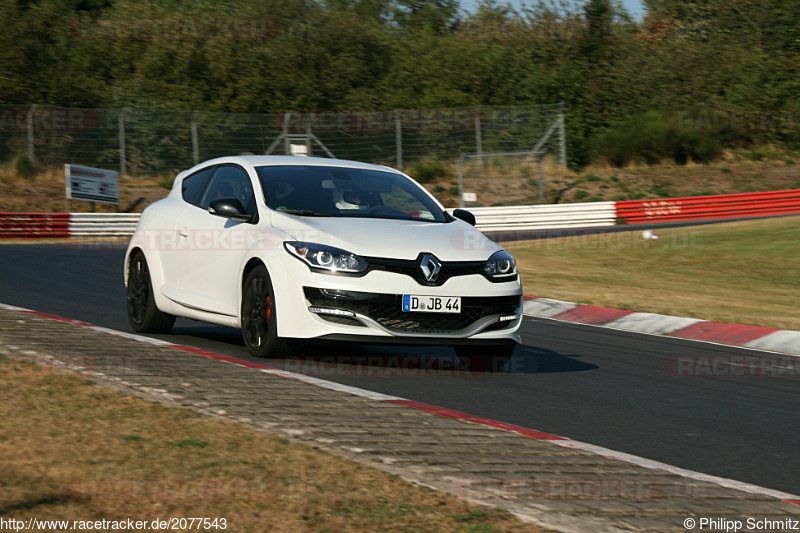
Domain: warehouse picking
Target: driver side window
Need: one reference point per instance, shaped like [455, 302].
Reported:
[230, 181]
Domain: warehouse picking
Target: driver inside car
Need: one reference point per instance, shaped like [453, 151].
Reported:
[350, 199]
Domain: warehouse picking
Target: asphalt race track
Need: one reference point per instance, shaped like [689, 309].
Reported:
[604, 387]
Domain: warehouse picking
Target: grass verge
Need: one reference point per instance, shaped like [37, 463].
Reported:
[70, 450]
[744, 272]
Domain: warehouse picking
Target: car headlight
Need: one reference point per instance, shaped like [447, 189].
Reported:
[501, 266]
[326, 258]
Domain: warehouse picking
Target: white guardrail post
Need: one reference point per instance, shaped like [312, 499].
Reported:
[550, 216]
[103, 224]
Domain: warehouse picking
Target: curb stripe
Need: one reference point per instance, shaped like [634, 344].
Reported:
[591, 314]
[758, 338]
[722, 332]
[220, 357]
[458, 415]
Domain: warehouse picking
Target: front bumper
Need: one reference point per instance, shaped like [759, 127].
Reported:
[383, 312]
[318, 305]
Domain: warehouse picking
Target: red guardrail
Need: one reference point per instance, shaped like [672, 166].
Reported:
[34, 225]
[719, 206]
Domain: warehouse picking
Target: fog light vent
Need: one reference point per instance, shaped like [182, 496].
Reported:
[329, 311]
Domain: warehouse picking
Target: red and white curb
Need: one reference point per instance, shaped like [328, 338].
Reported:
[760, 338]
[440, 411]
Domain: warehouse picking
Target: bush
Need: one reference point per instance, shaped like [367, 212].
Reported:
[580, 194]
[427, 170]
[166, 182]
[22, 164]
[650, 138]
[660, 190]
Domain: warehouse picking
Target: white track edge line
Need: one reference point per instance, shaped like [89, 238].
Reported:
[332, 385]
[683, 472]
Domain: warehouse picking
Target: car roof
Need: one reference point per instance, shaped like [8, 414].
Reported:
[269, 160]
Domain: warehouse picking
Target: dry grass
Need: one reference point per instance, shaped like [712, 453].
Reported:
[740, 272]
[515, 181]
[70, 450]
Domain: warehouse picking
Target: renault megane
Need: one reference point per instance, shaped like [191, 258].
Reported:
[289, 248]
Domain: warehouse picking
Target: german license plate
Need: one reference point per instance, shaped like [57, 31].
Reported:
[431, 304]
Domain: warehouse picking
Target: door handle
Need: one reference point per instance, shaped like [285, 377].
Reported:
[183, 232]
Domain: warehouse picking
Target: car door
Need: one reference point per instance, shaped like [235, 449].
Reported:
[209, 276]
[171, 247]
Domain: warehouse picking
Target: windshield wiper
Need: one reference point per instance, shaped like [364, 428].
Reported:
[303, 212]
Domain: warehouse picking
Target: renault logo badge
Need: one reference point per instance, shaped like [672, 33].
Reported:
[430, 267]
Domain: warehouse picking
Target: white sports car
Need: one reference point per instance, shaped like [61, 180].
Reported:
[289, 248]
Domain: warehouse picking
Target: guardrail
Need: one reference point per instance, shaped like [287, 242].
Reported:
[65, 225]
[489, 219]
[34, 225]
[549, 216]
[714, 207]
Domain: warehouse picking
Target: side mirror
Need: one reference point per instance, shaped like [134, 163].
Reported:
[464, 215]
[229, 208]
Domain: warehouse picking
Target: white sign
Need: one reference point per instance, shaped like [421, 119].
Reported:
[470, 197]
[92, 184]
[299, 150]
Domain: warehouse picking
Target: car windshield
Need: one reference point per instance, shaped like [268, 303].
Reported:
[312, 190]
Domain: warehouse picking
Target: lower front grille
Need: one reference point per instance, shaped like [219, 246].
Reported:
[386, 310]
[393, 318]
[346, 320]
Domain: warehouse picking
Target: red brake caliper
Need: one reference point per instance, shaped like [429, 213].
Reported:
[269, 309]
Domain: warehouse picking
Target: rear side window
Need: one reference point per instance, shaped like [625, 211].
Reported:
[192, 186]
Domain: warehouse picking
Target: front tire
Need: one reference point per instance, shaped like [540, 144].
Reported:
[143, 315]
[259, 316]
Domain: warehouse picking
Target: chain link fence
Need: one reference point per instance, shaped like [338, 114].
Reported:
[138, 141]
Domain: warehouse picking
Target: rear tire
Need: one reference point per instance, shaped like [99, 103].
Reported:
[259, 316]
[143, 315]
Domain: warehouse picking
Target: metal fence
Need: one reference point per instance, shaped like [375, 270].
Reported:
[147, 141]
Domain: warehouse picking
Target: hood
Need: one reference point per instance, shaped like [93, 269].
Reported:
[396, 239]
